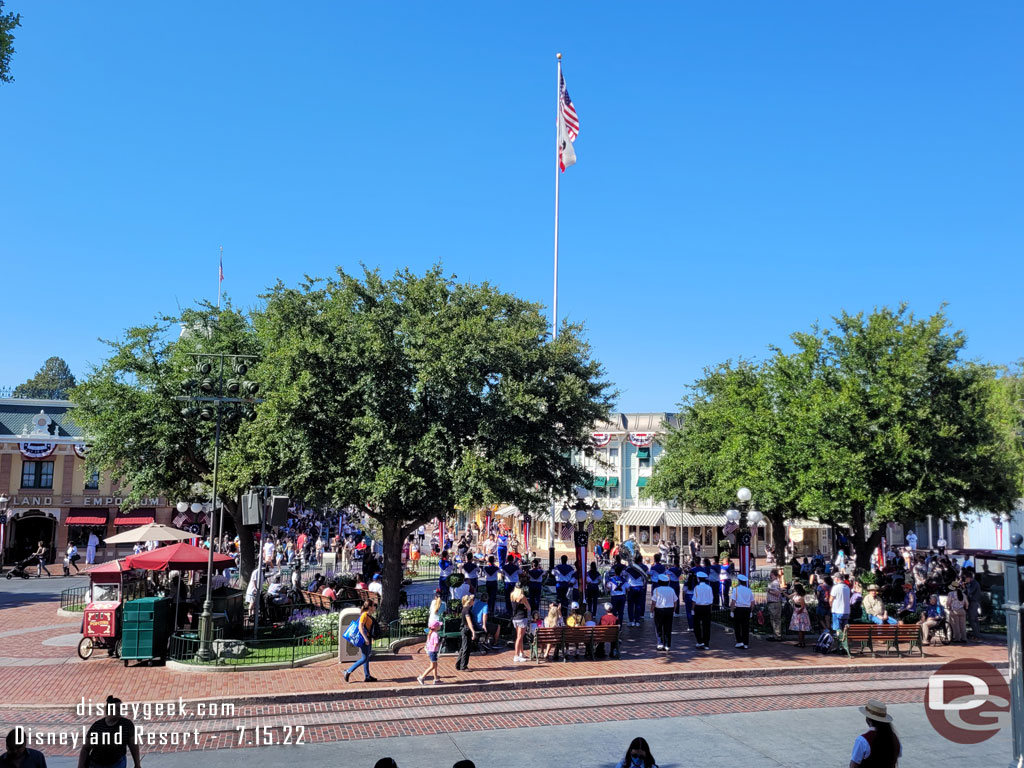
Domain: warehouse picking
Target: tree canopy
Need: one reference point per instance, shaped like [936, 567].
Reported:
[412, 395]
[874, 420]
[54, 381]
[135, 426]
[8, 23]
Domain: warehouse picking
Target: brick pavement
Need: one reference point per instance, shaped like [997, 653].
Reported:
[64, 678]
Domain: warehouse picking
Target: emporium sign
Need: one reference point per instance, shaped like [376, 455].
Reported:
[85, 501]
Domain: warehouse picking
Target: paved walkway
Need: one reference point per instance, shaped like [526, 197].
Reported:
[39, 668]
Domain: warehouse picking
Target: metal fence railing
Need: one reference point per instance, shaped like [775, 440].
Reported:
[184, 648]
[73, 599]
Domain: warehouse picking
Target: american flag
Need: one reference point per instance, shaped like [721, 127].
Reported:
[222, 266]
[572, 122]
[180, 519]
[568, 126]
[566, 533]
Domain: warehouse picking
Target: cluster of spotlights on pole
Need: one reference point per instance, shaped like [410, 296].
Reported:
[205, 385]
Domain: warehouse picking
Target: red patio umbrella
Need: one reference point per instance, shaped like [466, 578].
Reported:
[178, 557]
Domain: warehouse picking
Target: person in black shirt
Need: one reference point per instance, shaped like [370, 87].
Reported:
[468, 634]
[109, 740]
[20, 756]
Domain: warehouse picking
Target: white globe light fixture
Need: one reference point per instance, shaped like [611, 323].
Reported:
[197, 507]
[596, 512]
[732, 515]
[182, 506]
[743, 494]
[754, 517]
[565, 514]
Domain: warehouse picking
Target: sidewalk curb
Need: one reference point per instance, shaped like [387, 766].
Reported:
[779, 673]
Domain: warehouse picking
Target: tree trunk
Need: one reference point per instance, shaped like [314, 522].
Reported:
[246, 542]
[863, 542]
[778, 524]
[392, 575]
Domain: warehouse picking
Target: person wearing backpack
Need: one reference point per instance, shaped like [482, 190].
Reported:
[366, 622]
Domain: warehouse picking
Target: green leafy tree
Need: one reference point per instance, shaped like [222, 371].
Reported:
[54, 381]
[413, 395]
[894, 426]
[731, 434]
[876, 420]
[8, 23]
[136, 428]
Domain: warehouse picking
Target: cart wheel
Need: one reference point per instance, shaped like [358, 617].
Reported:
[9, 575]
[117, 648]
[85, 648]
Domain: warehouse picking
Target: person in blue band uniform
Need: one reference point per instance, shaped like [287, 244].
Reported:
[565, 575]
[689, 584]
[471, 573]
[675, 573]
[535, 583]
[502, 551]
[741, 601]
[657, 568]
[714, 572]
[642, 607]
[444, 570]
[725, 573]
[702, 600]
[617, 591]
[636, 587]
[510, 575]
[491, 581]
[663, 604]
[593, 588]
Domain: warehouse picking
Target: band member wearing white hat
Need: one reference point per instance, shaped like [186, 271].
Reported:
[663, 605]
[878, 746]
[702, 599]
[740, 602]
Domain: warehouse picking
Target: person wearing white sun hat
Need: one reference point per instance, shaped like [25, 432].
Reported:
[878, 747]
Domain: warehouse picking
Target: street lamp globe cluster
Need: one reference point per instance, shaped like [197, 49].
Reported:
[747, 521]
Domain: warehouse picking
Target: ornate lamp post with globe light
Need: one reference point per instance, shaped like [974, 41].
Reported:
[748, 520]
[584, 513]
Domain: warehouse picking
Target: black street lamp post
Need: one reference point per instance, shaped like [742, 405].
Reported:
[215, 398]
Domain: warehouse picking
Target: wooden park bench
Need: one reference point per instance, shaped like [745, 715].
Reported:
[317, 600]
[859, 636]
[911, 635]
[563, 637]
[879, 638]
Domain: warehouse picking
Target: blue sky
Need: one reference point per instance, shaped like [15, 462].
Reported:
[744, 169]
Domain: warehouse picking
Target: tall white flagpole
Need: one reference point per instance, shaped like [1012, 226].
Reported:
[554, 305]
[558, 138]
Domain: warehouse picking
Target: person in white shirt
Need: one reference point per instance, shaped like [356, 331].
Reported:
[912, 540]
[268, 553]
[839, 599]
[663, 605]
[375, 586]
[940, 544]
[740, 601]
[72, 557]
[702, 599]
[90, 548]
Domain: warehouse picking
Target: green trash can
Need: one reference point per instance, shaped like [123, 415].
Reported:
[146, 625]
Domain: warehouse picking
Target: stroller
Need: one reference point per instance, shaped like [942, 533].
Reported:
[21, 565]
